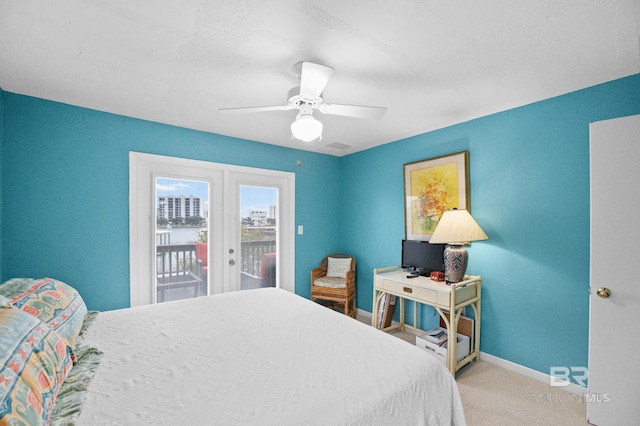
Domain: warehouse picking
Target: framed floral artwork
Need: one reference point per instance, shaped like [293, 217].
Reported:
[432, 187]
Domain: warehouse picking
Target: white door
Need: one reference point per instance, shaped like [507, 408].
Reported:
[161, 273]
[261, 233]
[614, 342]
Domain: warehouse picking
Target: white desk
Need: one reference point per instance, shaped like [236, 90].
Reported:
[453, 298]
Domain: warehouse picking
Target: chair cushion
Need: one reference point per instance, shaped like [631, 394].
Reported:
[267, 262]
[331, 282]
[338, 267]
[201, 253]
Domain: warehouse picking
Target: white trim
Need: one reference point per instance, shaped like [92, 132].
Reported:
[363, 314]
[530, 373]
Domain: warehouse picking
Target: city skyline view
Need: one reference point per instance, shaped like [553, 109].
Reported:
[251, 197]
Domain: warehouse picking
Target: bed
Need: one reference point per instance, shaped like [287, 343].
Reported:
[254, 357]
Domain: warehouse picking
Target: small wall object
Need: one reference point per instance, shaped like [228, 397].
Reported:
[437, 276]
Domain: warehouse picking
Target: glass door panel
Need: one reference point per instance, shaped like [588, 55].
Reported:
[258, 236]
[182, 235]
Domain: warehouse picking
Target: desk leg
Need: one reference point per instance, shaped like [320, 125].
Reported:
[401, 301]
[477, 311]
[415, 314]
[450, 324]
[453, 351]
[377, 297]
[374, 309]
[476, 337]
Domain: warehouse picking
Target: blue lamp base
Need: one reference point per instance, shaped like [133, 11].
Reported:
[455, 263]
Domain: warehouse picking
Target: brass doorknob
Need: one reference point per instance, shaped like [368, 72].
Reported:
[603, 292]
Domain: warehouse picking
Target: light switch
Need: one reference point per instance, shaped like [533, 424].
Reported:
[300, 230]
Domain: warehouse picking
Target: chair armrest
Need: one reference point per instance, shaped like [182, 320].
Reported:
[317, 273]
[199, 267]
[351, 278]
[248, 281]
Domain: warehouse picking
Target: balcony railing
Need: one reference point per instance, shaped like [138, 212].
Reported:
[179, 259]
[176, 259]
[252, 252]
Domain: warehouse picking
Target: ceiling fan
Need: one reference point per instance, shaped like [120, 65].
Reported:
[308, 97]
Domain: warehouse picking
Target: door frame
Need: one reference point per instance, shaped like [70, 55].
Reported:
[144, 168]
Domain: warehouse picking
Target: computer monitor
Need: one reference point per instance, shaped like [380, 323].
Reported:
[421, 257]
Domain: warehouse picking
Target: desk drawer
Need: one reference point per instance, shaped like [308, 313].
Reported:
[429, 296]
[465, 293]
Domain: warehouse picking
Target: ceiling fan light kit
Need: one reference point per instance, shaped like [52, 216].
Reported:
[306, 128]
[307, 97]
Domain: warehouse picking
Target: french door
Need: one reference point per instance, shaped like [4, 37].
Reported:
[200, 228]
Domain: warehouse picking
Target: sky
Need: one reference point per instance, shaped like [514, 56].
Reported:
[251, 197]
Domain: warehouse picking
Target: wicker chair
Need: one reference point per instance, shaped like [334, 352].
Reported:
[334, 288]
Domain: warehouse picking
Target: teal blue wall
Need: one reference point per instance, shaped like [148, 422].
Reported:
[529, 178]
[65, 206]
[66, 187]
[1, 166]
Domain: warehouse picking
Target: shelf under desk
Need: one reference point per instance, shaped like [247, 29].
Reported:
[438, 294]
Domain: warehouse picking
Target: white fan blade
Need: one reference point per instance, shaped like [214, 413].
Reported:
[256, 109]
[357, 111]
[313, 79]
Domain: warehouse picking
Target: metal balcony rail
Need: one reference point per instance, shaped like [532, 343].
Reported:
[174, 260]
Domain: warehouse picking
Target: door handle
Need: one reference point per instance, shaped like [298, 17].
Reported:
[603, 292]
[232, 262]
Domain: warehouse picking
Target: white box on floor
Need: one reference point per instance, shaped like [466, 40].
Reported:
[463, 346]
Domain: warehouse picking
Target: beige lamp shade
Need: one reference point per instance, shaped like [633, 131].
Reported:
[457, 227]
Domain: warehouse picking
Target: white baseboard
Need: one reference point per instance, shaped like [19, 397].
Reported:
[363, 314]
[528, 372]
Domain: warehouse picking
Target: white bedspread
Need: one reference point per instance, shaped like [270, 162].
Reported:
[260, 357]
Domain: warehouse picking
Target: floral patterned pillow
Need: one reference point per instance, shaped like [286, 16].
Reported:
[34, 362]
[52, 301]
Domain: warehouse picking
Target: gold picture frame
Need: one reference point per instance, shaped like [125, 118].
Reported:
[432, 187]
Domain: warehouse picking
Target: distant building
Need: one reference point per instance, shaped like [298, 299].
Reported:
[259, 217]
[179, 206]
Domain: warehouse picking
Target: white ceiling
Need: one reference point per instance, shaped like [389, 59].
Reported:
[431, 63]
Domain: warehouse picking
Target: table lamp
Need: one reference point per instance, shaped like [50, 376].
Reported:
[455, 228]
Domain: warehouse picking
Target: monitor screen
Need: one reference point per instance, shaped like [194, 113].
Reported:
[421, 257]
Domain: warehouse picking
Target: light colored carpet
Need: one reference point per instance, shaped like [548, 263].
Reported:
[495, 396]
